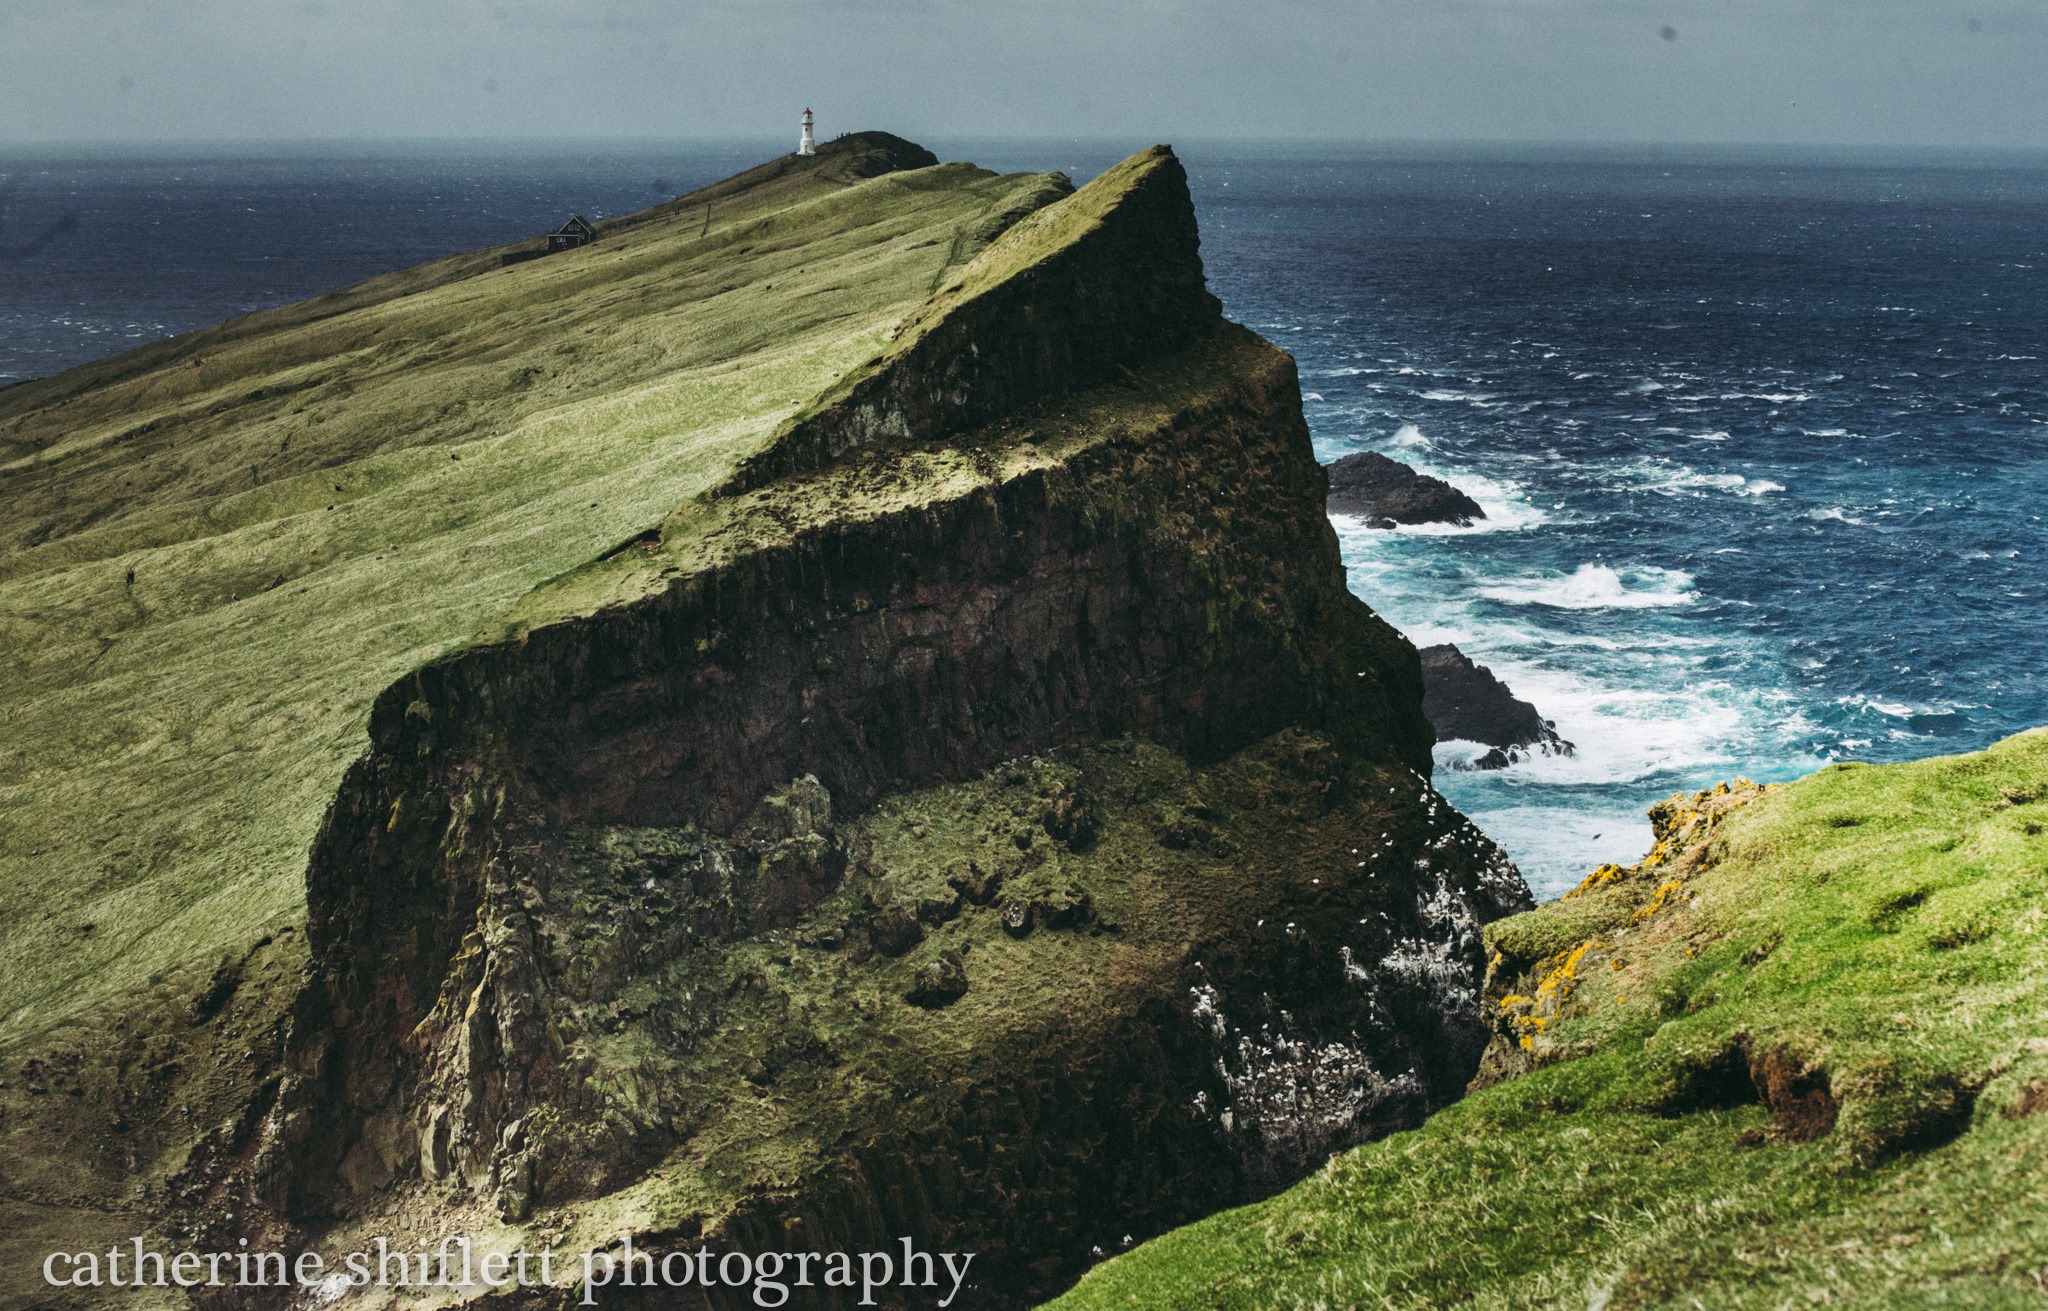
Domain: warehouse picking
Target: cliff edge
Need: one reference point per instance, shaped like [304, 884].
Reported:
[974, 809]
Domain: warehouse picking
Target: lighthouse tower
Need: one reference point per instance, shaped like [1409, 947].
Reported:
[807, 144]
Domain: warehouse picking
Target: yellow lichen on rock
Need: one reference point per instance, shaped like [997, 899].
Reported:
[1681, 823]
[1668, 893]
[1599, 878]
[1530, 1016]
[1537, 961]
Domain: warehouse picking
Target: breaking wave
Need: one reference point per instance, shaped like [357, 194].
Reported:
[1600, 587]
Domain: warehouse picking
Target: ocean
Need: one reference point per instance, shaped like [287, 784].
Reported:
[1762, 438]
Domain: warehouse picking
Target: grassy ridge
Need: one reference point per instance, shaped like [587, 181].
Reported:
[1798, 1057]
[215, 551]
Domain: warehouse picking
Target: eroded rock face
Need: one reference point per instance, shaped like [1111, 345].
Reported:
[1465, 701]
[586, 938]
[1181, 1026]
[1386, 493]
[1041, 859]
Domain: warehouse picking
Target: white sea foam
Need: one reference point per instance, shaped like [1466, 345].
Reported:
[1625, 733]
[1455, 752]
[1512, 636]
[1478, 400]
[1632, 741]
[1556, 849]
[1618, 735]
[1893, 709]
[1727, 482]
[1834, 514]
[1668, 479]
[1506, 507]
[1599, 587]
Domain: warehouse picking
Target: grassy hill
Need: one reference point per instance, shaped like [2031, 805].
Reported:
[834, 711]
[1797, 1057]
[215, 551]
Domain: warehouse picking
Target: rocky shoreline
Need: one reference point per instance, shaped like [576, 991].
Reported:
[1463, 701]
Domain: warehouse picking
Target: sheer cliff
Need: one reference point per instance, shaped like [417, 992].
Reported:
[971, 807]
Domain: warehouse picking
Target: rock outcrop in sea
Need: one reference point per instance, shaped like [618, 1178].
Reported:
[1386, 493]
[1465, 701]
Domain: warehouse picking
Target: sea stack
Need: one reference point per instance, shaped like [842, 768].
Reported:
[1466, 702]
[1387, 493]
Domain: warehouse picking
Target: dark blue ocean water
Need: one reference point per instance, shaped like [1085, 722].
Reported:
[1763, 441]
[1764, 447]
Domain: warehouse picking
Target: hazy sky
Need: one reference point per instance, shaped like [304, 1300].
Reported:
[1934, 72]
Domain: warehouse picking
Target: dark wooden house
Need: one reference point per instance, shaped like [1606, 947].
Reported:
[576, 232]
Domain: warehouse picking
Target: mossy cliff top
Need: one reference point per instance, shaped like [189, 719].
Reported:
[1798, 1056]
[1074, 294]
[215, 551]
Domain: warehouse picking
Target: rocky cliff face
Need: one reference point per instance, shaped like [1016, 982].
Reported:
[989, 819]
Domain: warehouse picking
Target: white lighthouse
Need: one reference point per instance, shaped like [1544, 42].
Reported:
[807, 144]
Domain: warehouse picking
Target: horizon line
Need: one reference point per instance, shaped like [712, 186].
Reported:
[1101, 138]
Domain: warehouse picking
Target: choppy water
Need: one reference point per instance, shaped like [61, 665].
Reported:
[1761, 441]
[1761, 444]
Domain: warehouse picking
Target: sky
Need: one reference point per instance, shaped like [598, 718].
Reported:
[1941, 73]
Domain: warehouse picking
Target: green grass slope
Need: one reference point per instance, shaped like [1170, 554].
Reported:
[1797, 1057]
[215, 551]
